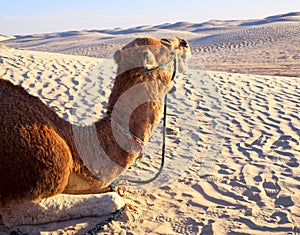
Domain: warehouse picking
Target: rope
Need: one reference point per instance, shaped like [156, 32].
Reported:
[164, 131]
[158, 67]
[101, 225]
[128, 134]
[117, 213]
[162, 154]
[18, 232]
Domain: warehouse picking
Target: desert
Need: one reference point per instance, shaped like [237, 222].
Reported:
[232, 148]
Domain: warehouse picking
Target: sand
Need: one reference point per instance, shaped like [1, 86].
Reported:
[233, 150]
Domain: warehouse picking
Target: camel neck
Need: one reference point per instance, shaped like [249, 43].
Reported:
[115, 144]
[127, 133]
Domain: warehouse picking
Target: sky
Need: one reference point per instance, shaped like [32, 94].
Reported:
[37, 16]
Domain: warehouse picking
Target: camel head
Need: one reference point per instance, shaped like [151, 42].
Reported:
[147, 59]
[182, 49]
[150, 53]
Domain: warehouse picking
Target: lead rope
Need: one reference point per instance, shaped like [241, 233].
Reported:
[164, 132]
[110, 219]
[163, 151]
[117, 213]
[18, 232]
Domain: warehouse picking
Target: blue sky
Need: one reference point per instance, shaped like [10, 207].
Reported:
[37, 16]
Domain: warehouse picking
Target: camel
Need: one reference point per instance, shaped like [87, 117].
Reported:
[49, 169]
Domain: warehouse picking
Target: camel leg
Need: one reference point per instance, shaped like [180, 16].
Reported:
[61, 207]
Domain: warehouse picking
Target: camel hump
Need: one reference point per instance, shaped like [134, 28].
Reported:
[143, 41]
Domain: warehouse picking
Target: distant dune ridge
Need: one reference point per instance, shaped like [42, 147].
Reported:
[3, 37]
[217, 44]
[245, 71]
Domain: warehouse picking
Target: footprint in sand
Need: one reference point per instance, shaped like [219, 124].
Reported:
[272, 189]
[270, 184]
[285, 142]
[262, 179]
[283, 151]
[178, 226]
[285, 201]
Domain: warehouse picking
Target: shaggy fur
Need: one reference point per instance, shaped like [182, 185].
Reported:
[38, 153]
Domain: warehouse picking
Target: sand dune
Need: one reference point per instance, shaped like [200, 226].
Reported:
[271, 49]
[263, 46]
[233, 150]
[3, 37]
[251, 36]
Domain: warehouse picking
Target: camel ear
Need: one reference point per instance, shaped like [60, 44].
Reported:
[118, 57]
[149, 60]
[165, 42]
[183, 43]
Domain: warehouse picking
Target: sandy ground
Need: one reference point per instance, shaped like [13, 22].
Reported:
[233, 150]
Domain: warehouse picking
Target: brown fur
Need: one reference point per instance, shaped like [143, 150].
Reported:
[38, 154]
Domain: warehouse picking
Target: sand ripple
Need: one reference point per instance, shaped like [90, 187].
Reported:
[251, 187]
